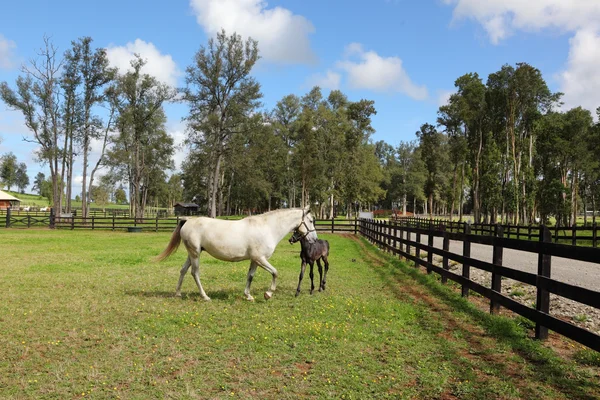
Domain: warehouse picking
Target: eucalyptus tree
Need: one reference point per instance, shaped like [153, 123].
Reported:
[141, 144]
[284, 118]
[8, 170]
[38, 98]
[221, 95]
[87, 72]
[434, 156]
[38, 181]
[22, 179]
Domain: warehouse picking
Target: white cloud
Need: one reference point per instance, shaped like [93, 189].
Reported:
[283, 37]
[580, 82]
[7, 57]
[159, 65]
[371, 71]
[329, 80]
[444, 96]
[500, 18]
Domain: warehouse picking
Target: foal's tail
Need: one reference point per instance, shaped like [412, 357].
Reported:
[173, 244]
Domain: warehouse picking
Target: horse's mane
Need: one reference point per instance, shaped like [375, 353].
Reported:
[273, 212]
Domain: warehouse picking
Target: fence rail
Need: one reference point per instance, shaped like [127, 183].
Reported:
[397, 239]
[16, 219]
[574, 235]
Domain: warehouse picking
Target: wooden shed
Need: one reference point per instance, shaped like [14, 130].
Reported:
[186, 208]
[6, 200]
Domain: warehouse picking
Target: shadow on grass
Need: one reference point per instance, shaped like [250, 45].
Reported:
[546, 365]
[214, 294]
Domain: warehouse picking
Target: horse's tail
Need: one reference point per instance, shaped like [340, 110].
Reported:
[327, 247]
[173, 244]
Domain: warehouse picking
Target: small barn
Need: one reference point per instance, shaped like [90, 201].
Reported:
[6, 200]
[186, 208]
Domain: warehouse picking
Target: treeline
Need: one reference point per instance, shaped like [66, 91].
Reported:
[307, 150]
[500, 148]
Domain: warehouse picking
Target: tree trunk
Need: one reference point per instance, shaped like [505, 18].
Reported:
[215, 187]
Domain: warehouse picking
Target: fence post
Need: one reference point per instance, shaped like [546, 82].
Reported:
[407, 235]
[446, 247]
[28, 221]
[52, 221]
[93, 222]
[156, 230]
[556, 232]
[496, 278]
[418, 249]
[430, 244]
[574, 234]
[355, 224]
[113, 222]
[73, 222]
[594, 235]
[8, 212]
[396, 236]
[466, 269]
[529, 232]
[543, 296]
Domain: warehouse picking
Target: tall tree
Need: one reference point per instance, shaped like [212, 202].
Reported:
[142, 142]
[22, 179]
[8, 170]
[38, 182]
[91, 72]
[433, 153]
[37, 97]
[221, 95]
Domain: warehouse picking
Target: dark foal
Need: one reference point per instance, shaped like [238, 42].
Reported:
[310, 253]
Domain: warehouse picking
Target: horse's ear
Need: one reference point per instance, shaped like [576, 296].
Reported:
[307, 209]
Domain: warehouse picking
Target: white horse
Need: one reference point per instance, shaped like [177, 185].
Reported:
[253, 238]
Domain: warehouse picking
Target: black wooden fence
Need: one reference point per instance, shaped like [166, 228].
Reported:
[574, 235]
[398, 239]
[115, 222]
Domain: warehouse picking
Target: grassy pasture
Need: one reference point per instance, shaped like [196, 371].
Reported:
[88, 315]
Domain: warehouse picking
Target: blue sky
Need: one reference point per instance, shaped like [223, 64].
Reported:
[404, 55]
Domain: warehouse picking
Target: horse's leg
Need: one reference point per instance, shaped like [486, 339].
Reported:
[264, 263]
[195, 261]
[320, 274]
[312, 277]
[302, 269]
[251, 273]
[325, 272]
[182, 273]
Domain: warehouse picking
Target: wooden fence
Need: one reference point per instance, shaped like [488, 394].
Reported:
[574, 235]
[115, 222]
[397, 239]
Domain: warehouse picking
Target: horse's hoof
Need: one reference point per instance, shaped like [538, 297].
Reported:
[297, 294]
[177, 295]
[207, 298]
[249, 298]
[268, 295]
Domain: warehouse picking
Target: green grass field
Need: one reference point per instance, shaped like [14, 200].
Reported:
[88, 315]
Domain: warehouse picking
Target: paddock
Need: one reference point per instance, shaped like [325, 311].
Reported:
[88, 314]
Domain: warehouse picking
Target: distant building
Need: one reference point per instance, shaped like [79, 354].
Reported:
[6, 200]
[186, 208]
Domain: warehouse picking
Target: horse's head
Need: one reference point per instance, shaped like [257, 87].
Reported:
[306, 229]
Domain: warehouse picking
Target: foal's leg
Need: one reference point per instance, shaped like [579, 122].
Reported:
[302, 269]
[320, 274]
[264, 263]
[182, 273]
[312, 277]
[251, 273]
[326, 270]
[195, 261]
